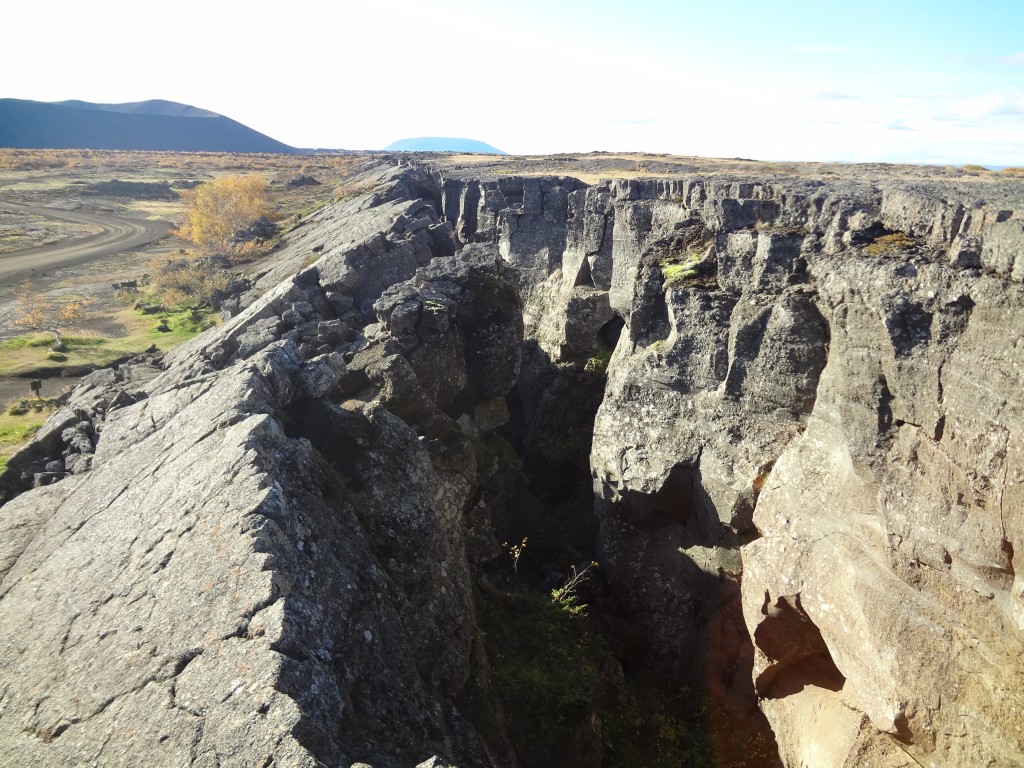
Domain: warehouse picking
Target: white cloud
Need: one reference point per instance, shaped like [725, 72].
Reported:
[991, 105]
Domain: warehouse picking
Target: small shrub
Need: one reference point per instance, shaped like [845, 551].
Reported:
[567, 597]
[57, 357]
[180, 282]
[37, 312]
[515, 551]
[19, 407]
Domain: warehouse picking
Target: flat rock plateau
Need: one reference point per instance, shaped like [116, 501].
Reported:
[796, 391]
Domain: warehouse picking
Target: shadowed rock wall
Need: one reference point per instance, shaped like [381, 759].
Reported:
[814, 405]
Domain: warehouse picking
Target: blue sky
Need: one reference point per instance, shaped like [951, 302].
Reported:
[934, 82]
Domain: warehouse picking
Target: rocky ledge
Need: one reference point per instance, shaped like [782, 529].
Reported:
[269, 547]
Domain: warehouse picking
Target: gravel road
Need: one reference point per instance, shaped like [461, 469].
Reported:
[118, 234]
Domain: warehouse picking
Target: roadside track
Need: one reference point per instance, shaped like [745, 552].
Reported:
[117, 235]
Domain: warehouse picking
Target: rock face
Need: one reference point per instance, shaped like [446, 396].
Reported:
[231, 582]
[807, 468]
[840, 427]
[813, 410]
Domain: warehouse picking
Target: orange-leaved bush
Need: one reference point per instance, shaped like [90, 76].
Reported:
[37, 312]
[216, 210]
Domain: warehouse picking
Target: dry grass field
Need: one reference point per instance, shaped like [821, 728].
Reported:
[111, 328]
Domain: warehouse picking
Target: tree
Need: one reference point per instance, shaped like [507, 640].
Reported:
[217, 209]
[37, 312]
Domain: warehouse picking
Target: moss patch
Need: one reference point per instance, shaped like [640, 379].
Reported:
[677, 270]
[598, 365]
[896, 242]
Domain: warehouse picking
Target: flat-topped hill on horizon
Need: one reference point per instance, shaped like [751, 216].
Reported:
[442, 144]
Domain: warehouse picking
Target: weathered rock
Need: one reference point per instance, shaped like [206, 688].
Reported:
[807, 464]
[302, 180]
[259, 231]
[258, 572]
[804, 346]
[816, 391]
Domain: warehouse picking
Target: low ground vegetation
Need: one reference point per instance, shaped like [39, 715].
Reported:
[30, 355]
[20, 420]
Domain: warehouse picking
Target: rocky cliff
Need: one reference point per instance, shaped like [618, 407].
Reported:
[279, 544]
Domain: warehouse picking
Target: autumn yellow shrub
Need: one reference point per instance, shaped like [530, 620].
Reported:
[216, 210]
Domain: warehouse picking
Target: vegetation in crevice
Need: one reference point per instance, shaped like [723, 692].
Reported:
[557, 676]
[598, 364]
[893, 242]
[565, 699]
[677, 271]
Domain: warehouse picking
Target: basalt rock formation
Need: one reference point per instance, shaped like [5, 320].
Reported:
[270, 546]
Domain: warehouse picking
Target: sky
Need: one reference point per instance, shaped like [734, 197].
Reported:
[914, 81]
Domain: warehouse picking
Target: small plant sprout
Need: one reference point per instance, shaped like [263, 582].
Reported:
[566, 596]
[515, 551]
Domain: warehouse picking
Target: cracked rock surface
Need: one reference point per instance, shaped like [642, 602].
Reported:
[256, 569]
[807, 463]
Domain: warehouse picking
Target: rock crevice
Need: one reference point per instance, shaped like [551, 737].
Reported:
[806, 470]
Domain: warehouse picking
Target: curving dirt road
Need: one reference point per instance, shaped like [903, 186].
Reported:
[118, 235]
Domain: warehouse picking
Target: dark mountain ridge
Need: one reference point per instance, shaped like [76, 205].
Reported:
[149, 107]
[145, 125]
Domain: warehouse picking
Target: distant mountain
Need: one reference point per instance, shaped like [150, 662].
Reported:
[153, 125]
[151, 107]
[442, 144]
